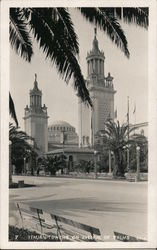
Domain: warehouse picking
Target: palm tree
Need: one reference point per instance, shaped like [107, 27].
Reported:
[53, 29]
[116, 139]
[19, 146]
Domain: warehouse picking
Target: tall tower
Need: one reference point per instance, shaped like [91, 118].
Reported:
[101, 91]
[36, 119]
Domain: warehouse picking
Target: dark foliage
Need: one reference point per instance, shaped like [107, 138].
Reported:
[20, 234]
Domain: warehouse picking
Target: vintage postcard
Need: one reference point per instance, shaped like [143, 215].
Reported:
[78, 124]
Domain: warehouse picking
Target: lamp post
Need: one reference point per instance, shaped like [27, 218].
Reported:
[95, 163]
[127, 155]
[109, 162]
[63, 138]
[24, 166]
[127, 151]
[137, 176]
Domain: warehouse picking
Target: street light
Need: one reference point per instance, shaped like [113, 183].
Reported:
[24, 167]
[63, 138]
[127, 156]
[110, 161]
[137, 177]
[95, 163]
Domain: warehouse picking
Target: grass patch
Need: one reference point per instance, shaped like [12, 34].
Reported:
[16, 185]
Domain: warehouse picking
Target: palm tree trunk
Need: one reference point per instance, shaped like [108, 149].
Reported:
[118, 166]
[115, 166]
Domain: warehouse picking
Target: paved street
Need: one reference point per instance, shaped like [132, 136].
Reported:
[108, 205]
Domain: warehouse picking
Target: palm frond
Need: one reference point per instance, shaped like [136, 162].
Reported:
[12, 109]
[109, 24]
[124, 129]
[138, 16]
[17, 135]
[131, 129]
[68, 28]
[19, 35]
[55, 45]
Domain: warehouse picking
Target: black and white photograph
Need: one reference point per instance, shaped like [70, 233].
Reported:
[78, 126]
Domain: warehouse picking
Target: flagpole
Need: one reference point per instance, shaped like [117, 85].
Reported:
[81, 126]
[115, 114]
[93, 128]
[135, 117]
[128, 118]
[128, 134]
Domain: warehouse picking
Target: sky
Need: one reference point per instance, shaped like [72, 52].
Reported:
[130, 75]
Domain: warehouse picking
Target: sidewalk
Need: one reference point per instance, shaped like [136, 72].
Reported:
[100, 176]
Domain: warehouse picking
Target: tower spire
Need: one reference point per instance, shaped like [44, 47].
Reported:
[95, 31]
[35, 82]
[95, 41]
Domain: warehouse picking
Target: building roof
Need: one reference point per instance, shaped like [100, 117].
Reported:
[60, 123]
[72, 150]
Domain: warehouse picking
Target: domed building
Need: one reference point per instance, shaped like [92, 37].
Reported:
[61, 134]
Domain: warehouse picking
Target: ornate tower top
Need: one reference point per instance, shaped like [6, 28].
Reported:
[36, 100]
[95, 49]
[96, 68]
[95, 60]
[95, 42]
[36, 83]
[35, 90]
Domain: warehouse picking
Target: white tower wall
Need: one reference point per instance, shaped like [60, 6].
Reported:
[36, 119]
[102, 95]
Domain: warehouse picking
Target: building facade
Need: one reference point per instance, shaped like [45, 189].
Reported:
[61, 134]
[36, 119]
[101, 91]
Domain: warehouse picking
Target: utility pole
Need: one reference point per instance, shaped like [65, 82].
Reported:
[81, 125]
[109, 161]
[137, 176]
[95, 163]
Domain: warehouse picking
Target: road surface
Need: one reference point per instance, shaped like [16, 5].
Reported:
[109, 205]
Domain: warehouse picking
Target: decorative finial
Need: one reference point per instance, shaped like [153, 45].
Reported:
[35, 82]
[95, 31]
[95, 41]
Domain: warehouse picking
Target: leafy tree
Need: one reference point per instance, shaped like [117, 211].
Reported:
[141, 141]
[54, 163]
[54, 31]
[85, 166]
